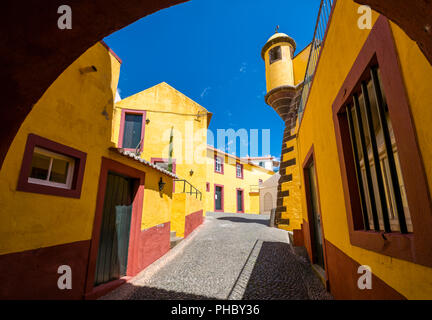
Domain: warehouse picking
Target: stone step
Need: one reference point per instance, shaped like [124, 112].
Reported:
[175, 241]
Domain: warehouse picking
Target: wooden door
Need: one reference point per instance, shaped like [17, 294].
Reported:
[115, 229]
[317, 237]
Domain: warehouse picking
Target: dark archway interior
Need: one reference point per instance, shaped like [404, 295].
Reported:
[35, 52]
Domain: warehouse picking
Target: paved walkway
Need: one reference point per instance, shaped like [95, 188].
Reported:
[231, 256]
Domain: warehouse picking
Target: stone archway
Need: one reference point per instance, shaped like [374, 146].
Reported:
[35, 51]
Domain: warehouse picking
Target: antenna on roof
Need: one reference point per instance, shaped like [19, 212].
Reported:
[277, 29]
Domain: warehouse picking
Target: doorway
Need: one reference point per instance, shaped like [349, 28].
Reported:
[240, 201]
[316, 235]
[317, 242]
[118, 216]
[219, 198]
[113, 250]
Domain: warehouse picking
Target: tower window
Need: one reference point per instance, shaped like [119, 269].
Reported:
[275, 54]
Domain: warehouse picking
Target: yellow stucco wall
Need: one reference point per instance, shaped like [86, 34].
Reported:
[294, 210]
[317, 129]
[251, 174]
[300, 62]
[168, 108]
[279, 73]
[183, 205]
[70, 113]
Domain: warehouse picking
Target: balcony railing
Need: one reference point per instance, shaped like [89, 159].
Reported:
[316, 48]
[183, 186]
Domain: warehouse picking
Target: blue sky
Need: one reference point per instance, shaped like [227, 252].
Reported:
[210, 51]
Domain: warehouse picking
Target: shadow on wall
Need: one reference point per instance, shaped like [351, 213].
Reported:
[265, 222]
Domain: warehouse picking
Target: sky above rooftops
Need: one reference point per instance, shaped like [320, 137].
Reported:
[210, 51]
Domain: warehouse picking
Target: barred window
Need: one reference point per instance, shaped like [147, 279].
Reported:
[381, 187]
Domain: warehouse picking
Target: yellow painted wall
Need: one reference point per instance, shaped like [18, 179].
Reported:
[254, 206]
[70, 113]
[300, 62]
[292, 202]
[251, 173]
[183, 205]
[279, 73]
[411, 280]
[166, 108]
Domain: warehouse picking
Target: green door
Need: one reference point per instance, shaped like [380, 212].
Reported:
[115, 228]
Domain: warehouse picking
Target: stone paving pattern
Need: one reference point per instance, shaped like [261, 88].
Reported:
[231, 256]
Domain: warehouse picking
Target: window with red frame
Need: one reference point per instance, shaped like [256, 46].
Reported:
[219, 164]
[51, 168]
[381, 186]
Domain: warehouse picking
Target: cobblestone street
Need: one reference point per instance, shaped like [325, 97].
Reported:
[231, 256]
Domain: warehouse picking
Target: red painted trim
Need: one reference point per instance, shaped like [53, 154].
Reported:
[153, 244]
[192, 221]
[380, 50]
[105, 288]
[165, 160]
[111, 51]
[113, 166]
[33, 274]
[78, 175]
[242, 195]
[214, 197]
[122, 123]
[242, 173]
[222, 164]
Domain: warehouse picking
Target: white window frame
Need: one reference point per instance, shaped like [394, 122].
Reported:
[52, 156]
[239, 168]
[218, 162]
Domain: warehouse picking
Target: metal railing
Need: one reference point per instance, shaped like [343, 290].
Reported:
[316, 48]
[187, 188]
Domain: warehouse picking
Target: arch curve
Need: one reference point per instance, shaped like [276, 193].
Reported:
[37, 52]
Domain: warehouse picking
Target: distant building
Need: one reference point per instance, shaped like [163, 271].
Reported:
[268, 194]
[268, 162]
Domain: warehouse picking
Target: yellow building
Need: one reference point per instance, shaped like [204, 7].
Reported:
[285, 74]
[71, 202]
[233, 183]
[169, 129]
[167, 118]
[362, 219]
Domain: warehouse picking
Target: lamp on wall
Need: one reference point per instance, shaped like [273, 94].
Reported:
[191, 172]
[161, 184]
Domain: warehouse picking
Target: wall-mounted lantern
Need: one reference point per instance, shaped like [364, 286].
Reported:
[191, 172]
[161, 184]
[147, 121]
